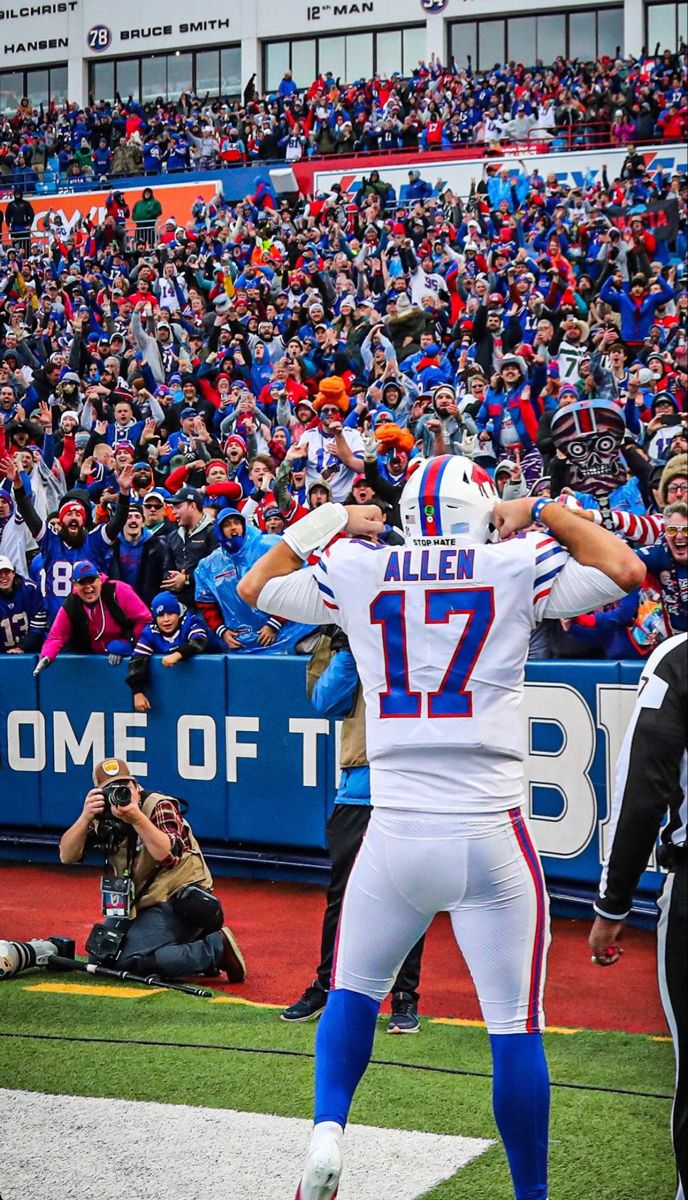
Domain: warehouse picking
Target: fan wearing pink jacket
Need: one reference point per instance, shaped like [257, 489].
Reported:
[102, 616]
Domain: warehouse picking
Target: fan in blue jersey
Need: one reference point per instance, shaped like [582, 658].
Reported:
[175, 633]
[73, 541]
[241, 627]
[23, 619]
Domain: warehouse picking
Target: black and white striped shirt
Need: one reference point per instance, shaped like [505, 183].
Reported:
[651, 777]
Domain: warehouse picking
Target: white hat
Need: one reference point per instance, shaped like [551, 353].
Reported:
[6, 563]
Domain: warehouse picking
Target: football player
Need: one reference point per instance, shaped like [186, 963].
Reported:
[439, 628]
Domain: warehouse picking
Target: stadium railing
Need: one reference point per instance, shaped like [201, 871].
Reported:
[564, 139]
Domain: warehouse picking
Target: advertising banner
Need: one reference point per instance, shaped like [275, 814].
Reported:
[238, 739]
[575, 168]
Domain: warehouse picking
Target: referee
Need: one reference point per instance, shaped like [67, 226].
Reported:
[651, 777]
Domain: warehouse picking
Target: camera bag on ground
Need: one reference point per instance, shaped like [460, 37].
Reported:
[198, 907]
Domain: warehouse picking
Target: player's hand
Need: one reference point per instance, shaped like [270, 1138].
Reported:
[604, 941]
[511, 516]
[171, 660]
[141, 703]
[266, 635]
[364, 520]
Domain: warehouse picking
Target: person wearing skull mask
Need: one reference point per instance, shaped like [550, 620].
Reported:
[588, 435]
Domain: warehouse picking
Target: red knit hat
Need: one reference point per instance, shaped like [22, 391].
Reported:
[70, 506]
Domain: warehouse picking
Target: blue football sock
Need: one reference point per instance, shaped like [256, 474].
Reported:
[343, 1045]
[520, 1099]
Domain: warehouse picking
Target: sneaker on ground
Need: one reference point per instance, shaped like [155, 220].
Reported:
[309, 1006]
[232, 960]
[404, 1018]
[320, 1179]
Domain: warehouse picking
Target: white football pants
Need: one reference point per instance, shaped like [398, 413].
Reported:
[483, 871]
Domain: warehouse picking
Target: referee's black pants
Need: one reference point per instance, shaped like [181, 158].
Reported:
[672, 955]
[345, 830]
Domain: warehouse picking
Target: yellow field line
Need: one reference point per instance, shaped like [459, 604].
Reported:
[481, 1024]
[93, 989]
[240, 1000]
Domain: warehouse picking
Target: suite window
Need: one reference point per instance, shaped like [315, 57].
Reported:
[58, 85]
[276, 63]
[207, 72]
[389, 57]
[303, 59]
[179, 75]
[610, 32]
[214, 72]
[538, 37]
[128, 78]
[11, 90]
[40, 86]
[153, 79]
[491, 44]
[103, 81]
[230, 71]
[666, 24]
[464, 43]
[414, 40]
[349, 56]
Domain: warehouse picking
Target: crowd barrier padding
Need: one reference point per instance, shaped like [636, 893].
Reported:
[238, 739]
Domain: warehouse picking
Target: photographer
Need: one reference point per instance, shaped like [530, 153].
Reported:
[161, 915]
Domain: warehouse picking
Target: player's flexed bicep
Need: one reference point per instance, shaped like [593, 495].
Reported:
[563, 587]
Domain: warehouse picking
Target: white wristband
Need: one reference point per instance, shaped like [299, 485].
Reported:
[316, 530]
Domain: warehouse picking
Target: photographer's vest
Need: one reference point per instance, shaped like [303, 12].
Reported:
[352, 747]
[154, 884]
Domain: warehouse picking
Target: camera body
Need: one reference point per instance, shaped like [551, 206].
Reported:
[118, 795]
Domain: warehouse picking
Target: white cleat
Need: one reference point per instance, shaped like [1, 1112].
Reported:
[320, 1180]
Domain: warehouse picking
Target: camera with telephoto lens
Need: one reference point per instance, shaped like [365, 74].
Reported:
[117, 794]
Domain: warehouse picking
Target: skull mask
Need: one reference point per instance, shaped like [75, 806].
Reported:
[590, 433]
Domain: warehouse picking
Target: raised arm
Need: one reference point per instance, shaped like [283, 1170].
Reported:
[587, 543]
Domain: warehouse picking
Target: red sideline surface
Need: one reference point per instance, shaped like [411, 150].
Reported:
[278, 929]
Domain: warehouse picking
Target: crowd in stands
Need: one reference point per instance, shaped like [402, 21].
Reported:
[614, 101]
[170, 403]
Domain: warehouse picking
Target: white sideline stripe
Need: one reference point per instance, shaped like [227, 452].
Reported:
[101, 1149]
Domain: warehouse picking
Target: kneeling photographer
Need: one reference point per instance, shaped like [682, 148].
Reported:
[161, 916]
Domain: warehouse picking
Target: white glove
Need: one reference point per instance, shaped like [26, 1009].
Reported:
[369, 447]
[41, 665]
[316, 530]
[468, 444]
[114, 659]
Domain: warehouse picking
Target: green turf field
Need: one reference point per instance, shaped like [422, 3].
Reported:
[604, 1145]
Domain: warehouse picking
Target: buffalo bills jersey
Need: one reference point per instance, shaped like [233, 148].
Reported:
[20, 610]
[440, 629]
[59, 559]
[154, 641]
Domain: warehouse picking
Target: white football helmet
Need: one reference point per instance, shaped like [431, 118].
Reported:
[448, 496]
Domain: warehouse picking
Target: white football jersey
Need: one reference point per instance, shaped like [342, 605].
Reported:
[440, 635]
[323, 463]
